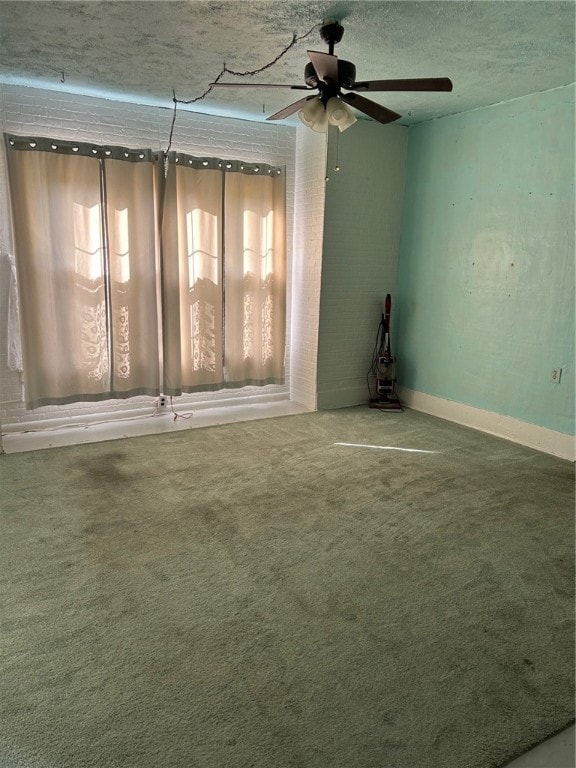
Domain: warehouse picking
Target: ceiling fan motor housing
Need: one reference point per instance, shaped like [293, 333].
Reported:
[331, 32]
[346, 75]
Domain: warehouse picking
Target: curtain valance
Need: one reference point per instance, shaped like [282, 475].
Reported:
[85, 149]
[226, 166]
[89, 149]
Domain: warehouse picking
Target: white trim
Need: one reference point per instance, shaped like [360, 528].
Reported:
[531, 435]
[156, 422]
[183, 403]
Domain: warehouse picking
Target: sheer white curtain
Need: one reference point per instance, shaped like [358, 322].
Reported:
[192, 296]
[131, 283]
[255, 279]
[84, 233]
[224, 260]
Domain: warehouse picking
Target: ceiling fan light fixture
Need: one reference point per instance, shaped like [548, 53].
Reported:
[329, 75]
[314, 116]
[351, 120]
[339, 113]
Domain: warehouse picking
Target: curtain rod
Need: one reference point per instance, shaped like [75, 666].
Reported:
[87, 149]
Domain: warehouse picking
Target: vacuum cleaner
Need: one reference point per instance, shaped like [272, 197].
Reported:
[381, 376]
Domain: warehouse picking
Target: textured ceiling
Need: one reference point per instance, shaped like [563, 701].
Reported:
[141, 51]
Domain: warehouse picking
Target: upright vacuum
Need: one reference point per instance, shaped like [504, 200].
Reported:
[382, 373]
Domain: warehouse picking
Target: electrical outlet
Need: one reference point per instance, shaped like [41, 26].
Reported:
[556, 375]
[161, 402]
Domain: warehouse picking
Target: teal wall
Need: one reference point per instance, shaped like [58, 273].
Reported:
[485, 301]
[362, 223]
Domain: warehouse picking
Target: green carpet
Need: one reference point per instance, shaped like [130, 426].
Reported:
[258, 595]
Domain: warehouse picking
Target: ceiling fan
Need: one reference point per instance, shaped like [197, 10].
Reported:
[330, 76]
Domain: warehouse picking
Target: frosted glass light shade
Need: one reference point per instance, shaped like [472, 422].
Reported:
[339, 113]
[314, 116]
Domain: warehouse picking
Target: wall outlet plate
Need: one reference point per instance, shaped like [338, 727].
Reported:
[556, 375]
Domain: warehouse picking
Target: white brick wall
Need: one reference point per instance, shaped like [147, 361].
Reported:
[29, 111]
[308, 230]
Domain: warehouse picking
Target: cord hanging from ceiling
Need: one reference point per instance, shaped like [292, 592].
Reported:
[225, 70]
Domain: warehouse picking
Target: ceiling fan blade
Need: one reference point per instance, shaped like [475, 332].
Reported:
[412, 84]
[370, 108]
[326, 66]
[290, 109]
[261, 85]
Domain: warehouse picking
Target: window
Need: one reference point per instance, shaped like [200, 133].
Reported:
[132, 283]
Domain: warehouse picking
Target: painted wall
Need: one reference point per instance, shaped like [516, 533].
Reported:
[486, 278]
[360, 254]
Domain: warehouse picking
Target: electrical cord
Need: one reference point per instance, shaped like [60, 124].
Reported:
[157, 412]
[225, 70]
[83, 426]
[186, 416]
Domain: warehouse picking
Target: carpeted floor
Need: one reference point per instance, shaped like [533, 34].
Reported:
[284, 594]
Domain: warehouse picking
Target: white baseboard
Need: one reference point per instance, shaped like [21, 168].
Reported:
[303, 392]
[344, 396]
[531, 435]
